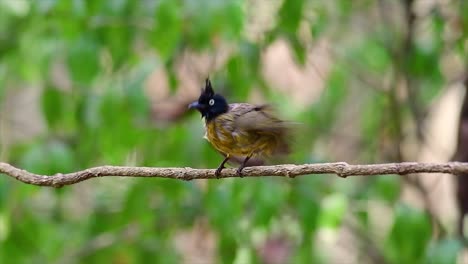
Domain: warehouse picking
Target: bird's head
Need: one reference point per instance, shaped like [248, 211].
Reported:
[209, 104]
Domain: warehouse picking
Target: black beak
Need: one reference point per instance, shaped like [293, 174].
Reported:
[195, 105]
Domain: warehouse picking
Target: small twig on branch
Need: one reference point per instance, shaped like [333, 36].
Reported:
[341, 169]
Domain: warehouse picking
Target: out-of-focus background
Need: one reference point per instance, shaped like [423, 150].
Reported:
[88, 83]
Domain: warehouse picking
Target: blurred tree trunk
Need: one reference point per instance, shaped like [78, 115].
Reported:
[461, 154]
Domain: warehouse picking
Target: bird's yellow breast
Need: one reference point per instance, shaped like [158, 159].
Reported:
[222, 133]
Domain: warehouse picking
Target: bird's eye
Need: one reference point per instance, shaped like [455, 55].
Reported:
[211, 102]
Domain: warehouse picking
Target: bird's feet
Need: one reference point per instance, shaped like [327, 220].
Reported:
[239, 171]
[221, 167]
[241, 167]
[218, 171]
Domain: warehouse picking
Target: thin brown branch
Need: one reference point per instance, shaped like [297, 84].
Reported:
[341, 169]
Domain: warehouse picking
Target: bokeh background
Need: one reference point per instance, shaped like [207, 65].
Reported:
[89, 83]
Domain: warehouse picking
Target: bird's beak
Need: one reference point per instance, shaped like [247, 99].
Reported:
[195, 105]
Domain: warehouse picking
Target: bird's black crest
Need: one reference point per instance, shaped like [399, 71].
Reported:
[208, 88]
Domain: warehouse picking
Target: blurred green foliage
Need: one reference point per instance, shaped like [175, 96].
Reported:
[104, 116]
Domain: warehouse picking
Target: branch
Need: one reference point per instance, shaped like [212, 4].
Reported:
[341, 169]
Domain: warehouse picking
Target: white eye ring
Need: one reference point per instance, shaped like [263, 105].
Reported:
[211, 102]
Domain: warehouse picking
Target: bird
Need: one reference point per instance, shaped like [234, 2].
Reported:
[241, 131]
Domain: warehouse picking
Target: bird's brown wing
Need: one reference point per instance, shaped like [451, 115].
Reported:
[261, 118]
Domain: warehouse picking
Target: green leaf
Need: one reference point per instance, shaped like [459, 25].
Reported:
[173, 81]
[305, 201]
[387, 187]
[290, 15]
[120, 127]
[83, 60]
[52, 105]
[445, 251]
[134, 89]
[418, 60]
[299, 50]
[333, 210]
[430, 79]
[332, 97]
[270, 197]
[207, 21]
[45, 6]
[17, 8]
[220, 217]
[319, 21]
[116, 7]
[375, 56]
[233, 19]
[243, 255]
[134, 205]
[237, 75]
[371, 123]
[119, 42]
[167, 28]
[409, 235]
[50, 158]
[345, 8]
